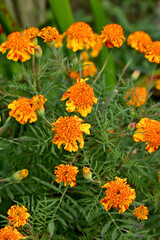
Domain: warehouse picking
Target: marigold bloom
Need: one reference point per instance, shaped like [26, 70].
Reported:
[97, 47]
[32, 33]
[18, 215]
[119, 195]
[69, 130]
[66, 174]
[112, 35]
[38, 102]
[59, 40]
[141, 212]
[19, 45]
[153, 52]
[74, 75]
[136, 96]
[22, 110]
[84, 56]
[81, 97]
[139, 40]
[89, 69]
[9, 233]
[148, 131]
[87, 174]
[49, 34]
[158, 84]
[80, 35]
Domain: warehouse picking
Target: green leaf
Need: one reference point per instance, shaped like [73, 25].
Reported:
[51, 228]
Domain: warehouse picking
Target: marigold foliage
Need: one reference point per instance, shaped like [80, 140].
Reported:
[141, 212]
[10, 233]
[136, 96]
[153, 52]
[67, 174]
[19, 45]
[118, 195]
[79, 36]
[148, 131]
[140, 41]
[18, 215]
[81, 97]
[112, 35]
[68, 131]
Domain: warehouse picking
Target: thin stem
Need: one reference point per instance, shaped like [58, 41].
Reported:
[151, 79]
[3, 180]
[115, 223]
[102, 69]
[93, 205]
[124, 69]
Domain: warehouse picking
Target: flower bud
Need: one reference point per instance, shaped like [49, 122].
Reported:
[20, 175]
[135, 74]
[87, 173]
[132, 126]
[51, 43]
[38, 51]
[134, 152]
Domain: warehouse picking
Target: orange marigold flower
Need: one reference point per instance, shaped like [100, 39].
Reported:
[141, 212]
[153, 52]
[22, 110]
[9, 233]
[74, 75]
[148, 131]
[112, 35]
[38, 102]
[158, 84]
[89, 69]
[49, 34]
[59, 40]
[66, 174]
[80, 35]
[19, 45]
[84, 56]
[136, 96]
[139, 40]
[81, 97]
[69, 130]
[18, 215]
[119, 195]
[97, 47]
[32, 33]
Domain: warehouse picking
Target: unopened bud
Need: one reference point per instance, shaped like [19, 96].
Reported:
[41, 111]
[34, 40]
[51, 43]
[132, 126]
[87, 173]
[19, 176]
[38, 51]
[134, 152]
[135, 74]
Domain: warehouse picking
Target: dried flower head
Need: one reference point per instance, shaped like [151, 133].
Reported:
[97, 47]
[49, 34]
[118, 195]
[80, 35]
[18, 215]
[89, 69]
[81, 97]
[19, 45]
[22, 110]
[148, 131]
[136, 96]
[112, 35]
[141, 212]
[10, 233]
[153, 52]
[139, 40]
[68, 131]
[74, 75]
[66, 174]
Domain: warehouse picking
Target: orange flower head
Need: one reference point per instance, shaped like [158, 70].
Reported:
[80, 35]
[136, 96]
[97, 47]
[139, 40]
[68, 131]
[59, 40]
[118, 195]
[22, 110]
[18, 215]
[84, 56]
[49, 34]
[141, 212]
[74, 75]
[89, 69]
[153, 52]
[148, 131]
[32, 33]
[66, 174]
[10, 233]
[158, 84]
[19, 45]
[112, 35]
[38, 102]
[81, 97]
